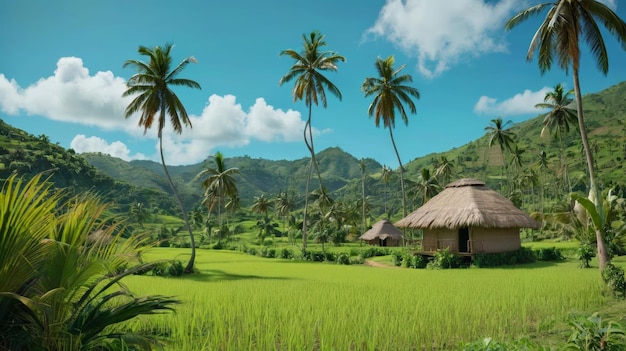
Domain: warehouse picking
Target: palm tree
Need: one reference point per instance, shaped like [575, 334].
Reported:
[427, 186]
[444, 169]
[517, 159]
[500, 133]
[261, 205]
[154, 98]
[310, 85]
[559, 37]
[558, 120]
[283, 205]
[220, 185]
[391, 94]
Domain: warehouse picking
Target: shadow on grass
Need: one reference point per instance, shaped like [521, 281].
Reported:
[216, 275]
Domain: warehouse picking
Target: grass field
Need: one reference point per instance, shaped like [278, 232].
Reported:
[243, 302]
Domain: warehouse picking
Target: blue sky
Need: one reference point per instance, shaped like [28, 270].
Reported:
[61, 73]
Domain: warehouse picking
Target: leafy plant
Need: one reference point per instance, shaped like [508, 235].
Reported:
[593, 334]
[613, 276]
[445, 259]
[62, 265]
[585, 253]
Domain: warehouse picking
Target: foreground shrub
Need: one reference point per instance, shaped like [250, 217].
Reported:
[62, 265]
[592, 333]
[286, 254]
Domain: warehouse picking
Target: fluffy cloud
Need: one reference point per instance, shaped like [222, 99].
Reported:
[519, 104]
[81, 144]
[72, 95]
[442, 33]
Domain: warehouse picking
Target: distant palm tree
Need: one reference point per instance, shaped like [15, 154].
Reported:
[390, 94]
[517, 159]
[558, 120]
[261, 205]
[500, 133]
[283, 205]
[427, 185]
[155, 98]
[444, 169]
[559, 37]
[220, 185]
[310, 85]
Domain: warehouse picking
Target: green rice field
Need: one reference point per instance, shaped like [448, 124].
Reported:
[243, 302]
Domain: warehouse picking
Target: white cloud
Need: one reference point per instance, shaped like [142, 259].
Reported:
[82, 144]
[442, 33]
[72, 95]
[520, 104]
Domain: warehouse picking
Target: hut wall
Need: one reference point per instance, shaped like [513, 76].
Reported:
[439, 239]
[485, 240]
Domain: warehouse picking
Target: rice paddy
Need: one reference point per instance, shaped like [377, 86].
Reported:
[243, 302]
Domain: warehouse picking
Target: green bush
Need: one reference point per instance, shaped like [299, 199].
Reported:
[585, 253]
[549, 254]
[343, 258]
[521, 256]
[397, 257]
[286, 254]
[175, 268]
[613, 276]
[420, 261]
[252, 251]
[444, 259]
[373, 252]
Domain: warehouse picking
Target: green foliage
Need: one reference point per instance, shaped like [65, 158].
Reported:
[521, 256]
[488, 344]
[613, 276]
[594, 334]
[585, 253]
[62, 265]
[343, 258]
[373, 252]
[549, 254]
[286, 253]
[444, 259]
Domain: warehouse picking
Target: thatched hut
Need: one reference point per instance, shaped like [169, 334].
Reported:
[383, 233]
[468, 217]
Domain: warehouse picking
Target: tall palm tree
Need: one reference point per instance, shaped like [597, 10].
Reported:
[391, 93]
[310, 85]
[155, 99]
[558, 120]
[542, 164]
[500, 133]
[283, 205]
[261, 205]
[559, 38]
[220, 186]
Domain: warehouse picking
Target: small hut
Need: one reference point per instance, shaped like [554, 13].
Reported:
[383, 233]
[468, 217]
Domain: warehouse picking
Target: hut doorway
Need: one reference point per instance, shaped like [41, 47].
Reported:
[463, 239]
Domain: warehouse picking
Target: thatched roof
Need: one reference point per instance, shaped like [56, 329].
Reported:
[383, 229]
[468, 203]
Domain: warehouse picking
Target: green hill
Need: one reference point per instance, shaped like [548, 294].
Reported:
[143, 181]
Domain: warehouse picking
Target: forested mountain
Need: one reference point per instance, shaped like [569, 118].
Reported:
[143, 181]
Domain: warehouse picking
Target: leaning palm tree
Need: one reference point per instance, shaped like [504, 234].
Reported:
[390, 94]
[427, 185]
[155, 99]
[310, 85]
[559, 38]
[220, 186]
[558, 120]
[445, 169]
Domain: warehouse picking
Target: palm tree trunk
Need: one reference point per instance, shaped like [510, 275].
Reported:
[603, 257]
[564, 162]
[393, 142]
[192, 259]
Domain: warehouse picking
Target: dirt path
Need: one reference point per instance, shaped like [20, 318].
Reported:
[377, 264]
